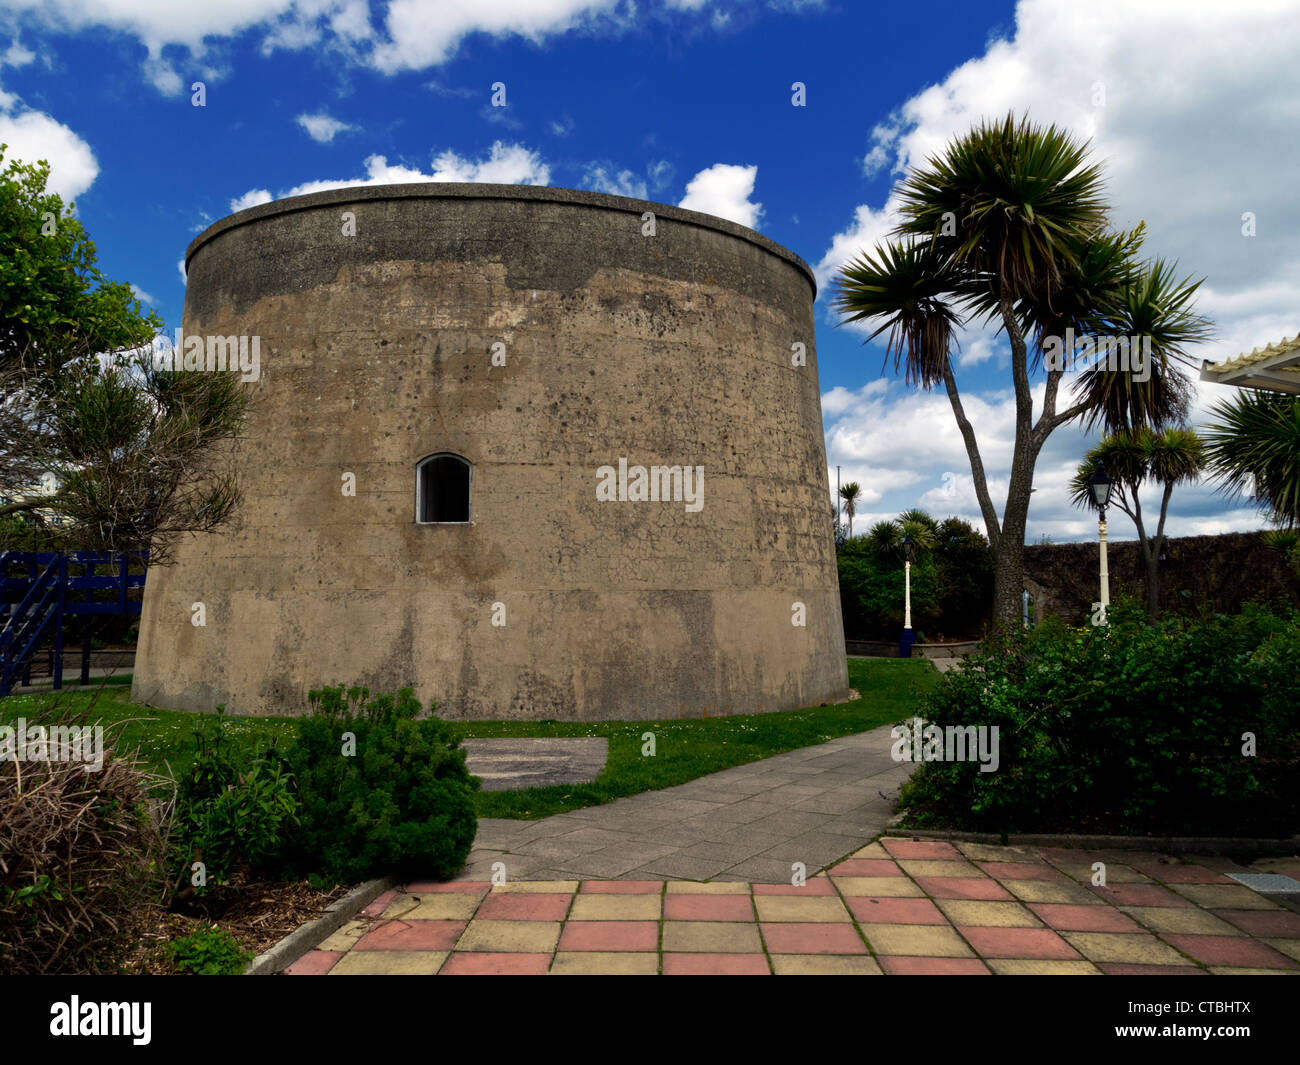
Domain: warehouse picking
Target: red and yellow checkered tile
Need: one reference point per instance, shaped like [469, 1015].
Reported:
[896, 907]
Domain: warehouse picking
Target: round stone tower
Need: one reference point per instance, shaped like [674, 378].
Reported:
[537, 453]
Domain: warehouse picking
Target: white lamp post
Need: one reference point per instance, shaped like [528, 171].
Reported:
[909, 637]
[1099, 487]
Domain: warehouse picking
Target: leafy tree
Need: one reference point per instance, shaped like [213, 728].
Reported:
[849, 493]
[1253, 446]
[1008, 224]
[1133, 457]
[131, 446]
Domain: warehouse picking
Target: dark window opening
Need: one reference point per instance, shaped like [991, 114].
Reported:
[442, 490]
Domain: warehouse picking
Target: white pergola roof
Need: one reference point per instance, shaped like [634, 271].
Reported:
[1275, 367]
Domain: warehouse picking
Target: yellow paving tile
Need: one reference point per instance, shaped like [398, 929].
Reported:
[916, 940]
[719, 887]
[1035, 967]
[873, 850]
[433, 907]
[511, 937]
[720, 937]
[345, 936]
[616, 908]
[1046, 891]
[1181, 920]
[984, 852]
[879, 887]
[1289, 947]
[1115, 873]
[1235, 970]
[604, 963]
[791, 908]
[988, 914]
[938, 867]
[1223, 896]
[824, 965]
[389, 962]
[1135, 947]
[538, 886]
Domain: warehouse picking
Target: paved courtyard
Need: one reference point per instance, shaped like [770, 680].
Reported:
[894, 907]
[749, 823]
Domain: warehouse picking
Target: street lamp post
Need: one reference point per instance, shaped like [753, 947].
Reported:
[1099, 487]
[909, 637]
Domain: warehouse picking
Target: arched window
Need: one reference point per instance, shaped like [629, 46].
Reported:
[442, 490]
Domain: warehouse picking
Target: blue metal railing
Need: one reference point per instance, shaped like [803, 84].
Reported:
[38, 591]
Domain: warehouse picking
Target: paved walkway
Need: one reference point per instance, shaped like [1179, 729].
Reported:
[896, 906]
[750, 823]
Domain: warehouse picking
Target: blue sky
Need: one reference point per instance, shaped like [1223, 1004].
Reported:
[690, 102]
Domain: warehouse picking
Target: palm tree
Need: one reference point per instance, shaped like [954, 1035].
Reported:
[885, 538]
[1167, 457]
[1255, 442]
[849, 493]
[1008, 224]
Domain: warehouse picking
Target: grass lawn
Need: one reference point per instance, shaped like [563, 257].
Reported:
[685, 748]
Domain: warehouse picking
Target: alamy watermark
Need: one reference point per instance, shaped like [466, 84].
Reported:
[53, 743]
[919, 742]
[212, 353]
[656, 484]
[1127, 354]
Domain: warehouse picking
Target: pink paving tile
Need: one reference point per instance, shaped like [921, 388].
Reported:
[452, 887]
[963, 887]
[716, 965]
[525, 906]
[1023, 871]
[412, 935]
[808, 937]
[1271, 923]
[1037, 943]
[1070, 918]
[483, 963]
[1181, 874]
[314, 963]
[818, 885]
[894, 911]
[610, 935]
[708, 908]
[916, 848]
[622, 887]
[380, 904]
[1140, 895]
[896, 965]
[866, 867]
[1230, 950]
[1118, 968]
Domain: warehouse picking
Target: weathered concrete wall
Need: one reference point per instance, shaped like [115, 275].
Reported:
[672, 349]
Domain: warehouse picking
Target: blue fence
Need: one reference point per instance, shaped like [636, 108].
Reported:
[41, 589]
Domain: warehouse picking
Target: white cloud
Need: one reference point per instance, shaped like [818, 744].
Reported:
[322, 128]
[180, 268]
[724, 190]
[17, 56]
[252, 198]
[505, 164]
[141, 294]
[625, 183]
[34, 135]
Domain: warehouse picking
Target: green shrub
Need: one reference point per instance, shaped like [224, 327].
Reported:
[1126, 728]
[233, 809]
[381, 791]
[210, 951]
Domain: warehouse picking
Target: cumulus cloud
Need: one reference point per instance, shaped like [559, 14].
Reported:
[34, 135]
[624, 183]
[724, 190]
[505, 164]
[322, 128]
[141, 294]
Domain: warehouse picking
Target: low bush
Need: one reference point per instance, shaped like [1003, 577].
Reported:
[233, 810]
[1126, 728]
[209, 951]
[81, 860]
[382, 791]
